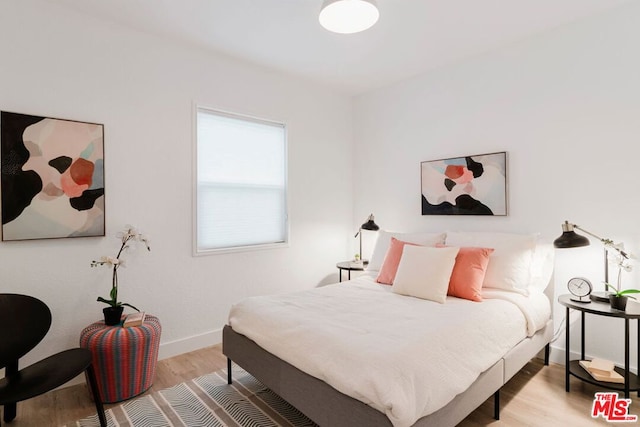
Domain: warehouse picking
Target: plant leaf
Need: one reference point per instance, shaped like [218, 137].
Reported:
[629, 291]
[129, 305]
[106, 301]
[612, 287]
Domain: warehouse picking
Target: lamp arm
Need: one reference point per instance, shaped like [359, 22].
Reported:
[608, 243]
[590, 233]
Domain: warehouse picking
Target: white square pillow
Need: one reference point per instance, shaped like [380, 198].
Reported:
[424, 272]
[384, 241]
[510, 263]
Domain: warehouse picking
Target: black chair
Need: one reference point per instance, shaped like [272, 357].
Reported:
[24, 321]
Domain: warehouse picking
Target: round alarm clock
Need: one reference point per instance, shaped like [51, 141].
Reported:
[580, 288]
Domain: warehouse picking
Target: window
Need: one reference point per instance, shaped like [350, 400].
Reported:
[241, 197]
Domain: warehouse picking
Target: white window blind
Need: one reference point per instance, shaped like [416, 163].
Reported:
[241, 182]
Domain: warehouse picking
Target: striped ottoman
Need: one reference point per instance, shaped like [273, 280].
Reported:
[124, 359]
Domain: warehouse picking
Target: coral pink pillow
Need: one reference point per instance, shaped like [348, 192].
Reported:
[468, 273]
[391, 260]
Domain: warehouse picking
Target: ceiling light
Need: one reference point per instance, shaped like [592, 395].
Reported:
[348, 16]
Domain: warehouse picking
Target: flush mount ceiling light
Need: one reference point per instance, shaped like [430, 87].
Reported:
[348, 16]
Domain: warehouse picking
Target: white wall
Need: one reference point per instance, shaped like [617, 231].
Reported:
[58, 63]
[564, 105]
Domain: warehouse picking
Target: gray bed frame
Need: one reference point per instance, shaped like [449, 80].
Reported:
[328, 407]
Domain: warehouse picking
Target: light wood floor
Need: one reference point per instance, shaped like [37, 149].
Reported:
[534, 397]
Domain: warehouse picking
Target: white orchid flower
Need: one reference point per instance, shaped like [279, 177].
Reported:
[129, 233]
[111, 261]
[617, 254]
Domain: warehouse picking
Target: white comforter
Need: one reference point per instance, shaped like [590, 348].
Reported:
[405, 356]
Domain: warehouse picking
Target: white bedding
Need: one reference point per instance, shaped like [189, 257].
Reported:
[405, 356]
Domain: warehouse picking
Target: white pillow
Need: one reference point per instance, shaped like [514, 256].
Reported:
[510, 263]
[384, 240]
[424, 272]
[542, 266]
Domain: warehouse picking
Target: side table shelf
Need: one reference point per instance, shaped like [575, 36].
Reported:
[578, 371]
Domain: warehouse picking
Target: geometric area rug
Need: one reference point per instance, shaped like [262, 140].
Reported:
[206, 401]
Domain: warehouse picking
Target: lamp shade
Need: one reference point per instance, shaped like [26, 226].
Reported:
[370, 224]
[348, 16]
[569, 238]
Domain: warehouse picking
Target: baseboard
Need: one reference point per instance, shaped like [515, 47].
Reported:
[558, 356]
[192, 343]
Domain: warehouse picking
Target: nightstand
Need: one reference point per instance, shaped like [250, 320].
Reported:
[350, 266]
[631, 381]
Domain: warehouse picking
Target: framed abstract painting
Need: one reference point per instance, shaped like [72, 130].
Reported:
[471, 185]
[52, 177]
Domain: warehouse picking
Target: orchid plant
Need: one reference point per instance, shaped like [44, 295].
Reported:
[129, 236]
[618, 255]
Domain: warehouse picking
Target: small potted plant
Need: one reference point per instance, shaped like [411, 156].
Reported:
[618, 298]
[113, 313]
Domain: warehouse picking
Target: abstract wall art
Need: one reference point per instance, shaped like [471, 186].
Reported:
[471, 185]
[52, 177]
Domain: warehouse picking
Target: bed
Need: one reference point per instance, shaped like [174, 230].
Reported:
[364, 353]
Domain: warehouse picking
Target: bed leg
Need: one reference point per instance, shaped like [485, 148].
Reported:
[547, 348]
[229, 378]
[496, 405]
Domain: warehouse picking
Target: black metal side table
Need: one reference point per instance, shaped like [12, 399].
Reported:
[631, 381]
[350, 266]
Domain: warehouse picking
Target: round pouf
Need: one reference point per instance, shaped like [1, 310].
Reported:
[124, 359]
